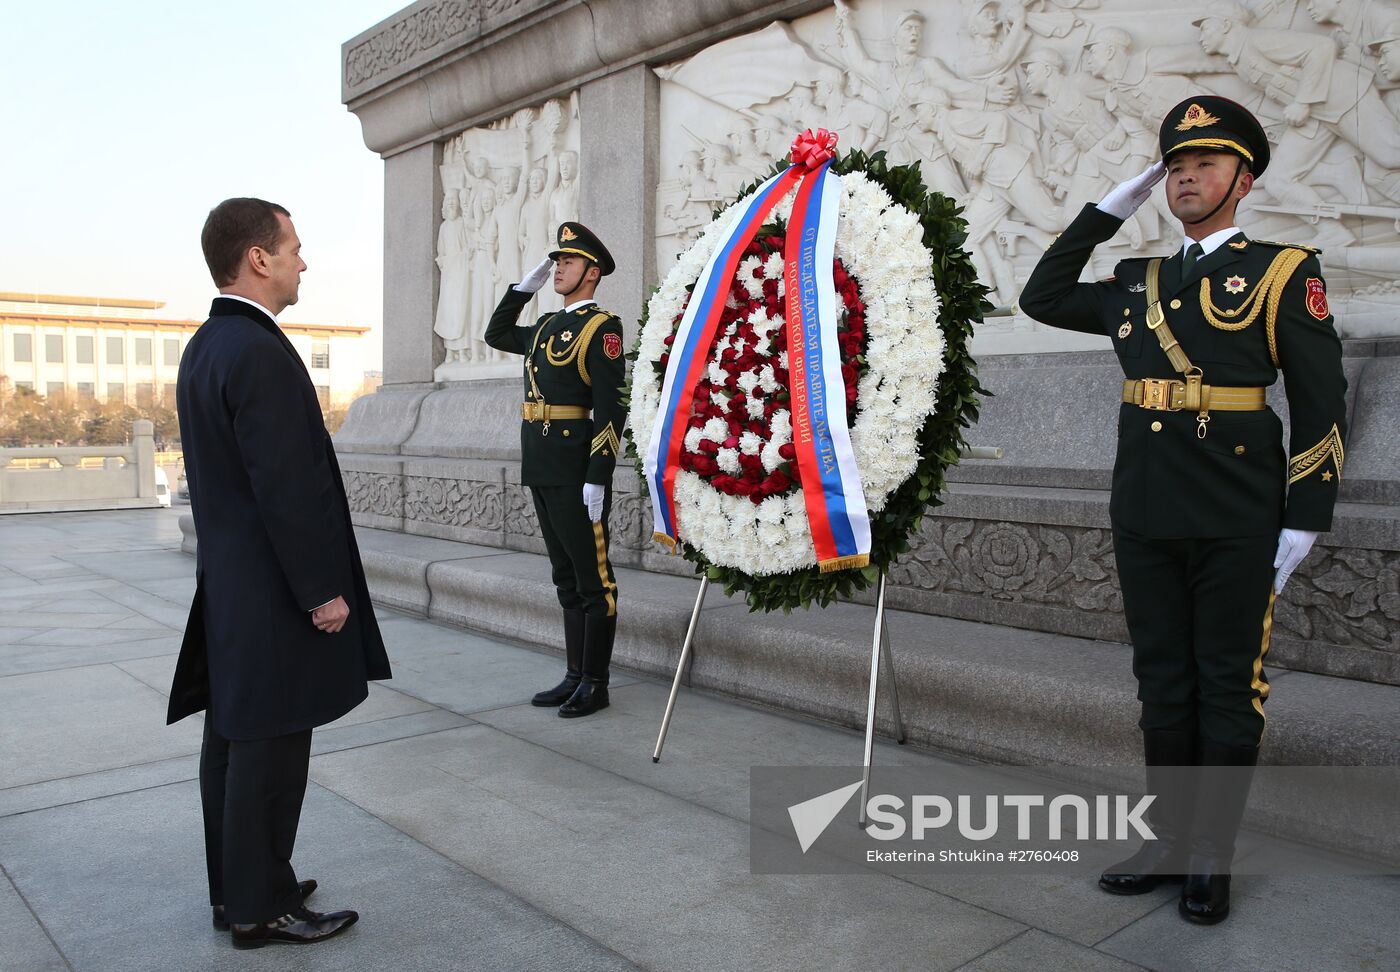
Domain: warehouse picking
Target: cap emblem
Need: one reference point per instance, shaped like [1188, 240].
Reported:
[1196, 117]
[566, 234]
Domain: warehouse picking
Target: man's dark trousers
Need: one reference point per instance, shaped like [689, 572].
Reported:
[252, 791]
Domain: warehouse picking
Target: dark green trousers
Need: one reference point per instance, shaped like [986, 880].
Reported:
[578, 549]
[1199, 614]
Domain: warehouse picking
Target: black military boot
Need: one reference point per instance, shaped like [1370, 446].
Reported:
[1226, 773]
[1163, 859]
[573, 655]
[592, 693]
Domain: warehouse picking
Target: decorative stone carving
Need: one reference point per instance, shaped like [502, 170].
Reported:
[454, 502]
[1025, 110]
[1347, 597]
[506, 187]
[631, 522]
[378, 493]
[1059, 566]
[404, 40]
[520, 518]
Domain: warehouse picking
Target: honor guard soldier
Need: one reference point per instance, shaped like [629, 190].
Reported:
[1210, 515]
[570, 438]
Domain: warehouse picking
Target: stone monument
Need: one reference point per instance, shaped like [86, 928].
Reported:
[497, 119]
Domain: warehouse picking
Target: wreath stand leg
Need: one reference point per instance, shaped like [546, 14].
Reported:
[879, 653]
[680, 668]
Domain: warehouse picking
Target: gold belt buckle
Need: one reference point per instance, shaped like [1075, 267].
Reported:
[1157, 394]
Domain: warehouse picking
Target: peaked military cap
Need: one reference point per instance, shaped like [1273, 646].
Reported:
[579, 240]
[1390, 33]
[1211, 122]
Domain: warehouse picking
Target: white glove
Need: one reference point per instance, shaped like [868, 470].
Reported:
[1293, 546]
[1126, 197]
[536, 278]
[593, 499]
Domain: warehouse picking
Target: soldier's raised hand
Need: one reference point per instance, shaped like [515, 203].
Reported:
[1126, 197]
[537, 277]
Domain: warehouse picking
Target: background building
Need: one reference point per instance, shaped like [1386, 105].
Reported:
[121, 350]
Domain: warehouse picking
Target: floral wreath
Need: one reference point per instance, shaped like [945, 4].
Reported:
[908, 299]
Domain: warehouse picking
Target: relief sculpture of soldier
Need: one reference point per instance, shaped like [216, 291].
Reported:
[570, 437]
[1210, 516]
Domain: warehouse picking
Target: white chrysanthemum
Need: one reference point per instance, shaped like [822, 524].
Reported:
[716, 429]
[773, 266]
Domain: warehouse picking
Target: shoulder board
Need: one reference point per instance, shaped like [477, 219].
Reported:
[1287, 246]
[1144, 259]
[603, 310]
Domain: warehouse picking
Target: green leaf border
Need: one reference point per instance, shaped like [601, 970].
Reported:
[940, 440]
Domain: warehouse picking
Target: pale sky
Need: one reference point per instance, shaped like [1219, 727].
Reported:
[124, 122]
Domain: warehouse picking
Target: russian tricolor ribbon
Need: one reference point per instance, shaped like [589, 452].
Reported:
[694, 338]
[831, 486]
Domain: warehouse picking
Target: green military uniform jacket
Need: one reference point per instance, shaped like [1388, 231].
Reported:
[1168, 481]
[572, 358]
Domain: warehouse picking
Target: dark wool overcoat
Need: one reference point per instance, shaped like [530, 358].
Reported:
[275, 540]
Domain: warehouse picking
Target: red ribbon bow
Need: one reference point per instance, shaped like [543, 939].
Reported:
[812, 148]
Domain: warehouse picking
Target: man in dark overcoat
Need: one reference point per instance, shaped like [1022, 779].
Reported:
[1210, 514]
[281, 636]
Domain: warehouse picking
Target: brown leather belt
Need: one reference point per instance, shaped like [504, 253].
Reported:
[544, 412]
[1169, 395]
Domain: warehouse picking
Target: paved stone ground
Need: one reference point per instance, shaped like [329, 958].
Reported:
[475, 832]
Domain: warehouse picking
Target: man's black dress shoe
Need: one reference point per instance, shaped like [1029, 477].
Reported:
[302, 927]
[307, 889]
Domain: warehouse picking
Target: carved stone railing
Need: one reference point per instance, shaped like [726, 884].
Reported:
[126, 477]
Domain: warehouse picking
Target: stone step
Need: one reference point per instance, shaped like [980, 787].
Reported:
[1000, 694]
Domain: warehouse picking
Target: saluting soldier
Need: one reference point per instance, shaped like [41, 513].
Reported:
[1210, 516]
[570, 436]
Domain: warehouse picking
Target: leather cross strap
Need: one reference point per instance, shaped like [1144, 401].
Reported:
[1170, 395]
[1157, 322]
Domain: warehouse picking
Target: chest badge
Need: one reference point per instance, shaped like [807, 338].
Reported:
[1137, 288]
[1235, 285]
[1125, 330]
[566, 336]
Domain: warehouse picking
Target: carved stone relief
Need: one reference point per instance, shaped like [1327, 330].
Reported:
[506, 188]
[1060, 566]
[402, 41]
[1025, 110]
[520, 511]
[454, 502]
[1347, 597]
[380, 494]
